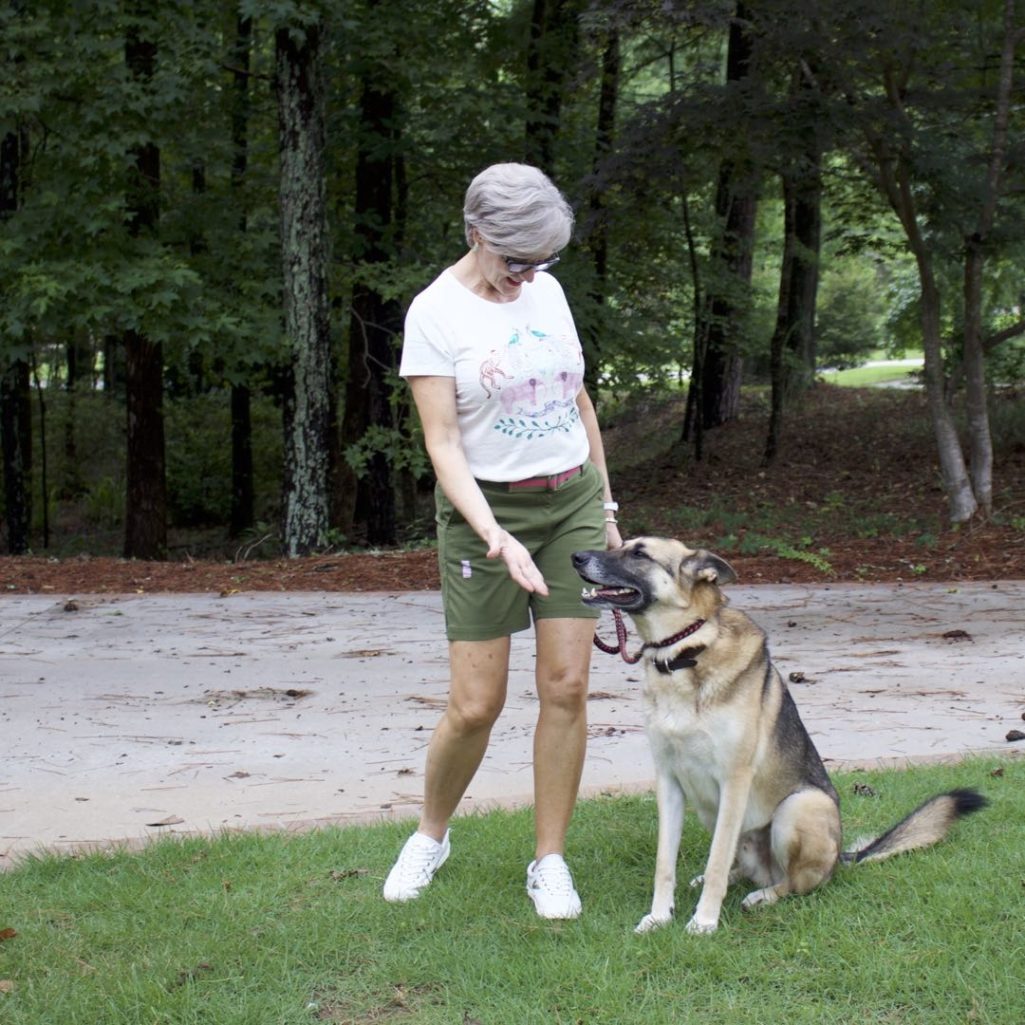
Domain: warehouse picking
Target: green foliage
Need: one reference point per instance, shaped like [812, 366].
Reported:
[787, 550]
[1006, 367]
[849, 325]
[206, 280]
[400, 452]
[104, 503]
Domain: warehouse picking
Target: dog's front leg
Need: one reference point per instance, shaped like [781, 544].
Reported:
[728, 822]
[669, 797]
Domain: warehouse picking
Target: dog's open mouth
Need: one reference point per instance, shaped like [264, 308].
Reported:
[608, 596]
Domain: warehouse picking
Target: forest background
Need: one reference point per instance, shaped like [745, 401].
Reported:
[214, 215]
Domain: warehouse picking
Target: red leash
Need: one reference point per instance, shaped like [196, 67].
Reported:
[620, 649]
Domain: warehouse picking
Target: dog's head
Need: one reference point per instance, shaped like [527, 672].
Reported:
[653, 572]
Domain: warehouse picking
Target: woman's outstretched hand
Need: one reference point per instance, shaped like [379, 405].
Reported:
[502, 545]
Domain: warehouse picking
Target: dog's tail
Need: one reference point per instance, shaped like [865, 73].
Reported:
[926, 825]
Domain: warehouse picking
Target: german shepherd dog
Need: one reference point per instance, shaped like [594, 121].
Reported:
[726, 736]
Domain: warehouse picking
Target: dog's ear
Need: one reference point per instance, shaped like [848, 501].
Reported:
[704, 565]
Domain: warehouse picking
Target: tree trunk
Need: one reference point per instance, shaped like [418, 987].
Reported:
[81, 365]
[598, 229]
[242, 490]
[792, 348]
[693, 428]
[980, 442]
[16, 434]
[961, 501]
[551, 55]
[736, 204]
[243, 500]
[15, 399]
[376, 320]
[146, 481]
[113, 366]
[146, 504]
[895, 180]
[304, 252]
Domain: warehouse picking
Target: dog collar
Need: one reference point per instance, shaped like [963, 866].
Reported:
[686, 659]
[681, 636]
[620, 648]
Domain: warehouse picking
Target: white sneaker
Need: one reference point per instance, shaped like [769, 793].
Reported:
[550, 887]
[420, 858]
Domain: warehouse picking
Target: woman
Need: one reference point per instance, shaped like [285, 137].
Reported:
[496, 371]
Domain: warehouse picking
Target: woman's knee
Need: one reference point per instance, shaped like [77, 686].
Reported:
[564, 690]
[473, 713]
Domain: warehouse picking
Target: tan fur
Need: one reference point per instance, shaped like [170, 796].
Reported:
[726, 737]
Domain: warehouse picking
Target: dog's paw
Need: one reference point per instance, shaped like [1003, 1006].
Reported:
[759, 898]
[698, 928]
[649, 923]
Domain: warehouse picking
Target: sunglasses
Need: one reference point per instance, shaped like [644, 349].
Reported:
[515, 266]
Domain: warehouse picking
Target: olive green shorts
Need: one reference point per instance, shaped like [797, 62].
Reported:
[481, 600]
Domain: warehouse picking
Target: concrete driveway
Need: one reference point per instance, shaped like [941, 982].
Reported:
[123, 718]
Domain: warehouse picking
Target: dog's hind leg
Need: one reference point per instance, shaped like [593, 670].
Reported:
[669, 796]
[805, 839]
[754, 861]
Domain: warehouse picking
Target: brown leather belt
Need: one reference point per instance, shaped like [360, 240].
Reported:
[547, 483]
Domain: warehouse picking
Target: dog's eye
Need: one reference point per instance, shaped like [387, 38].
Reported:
[640, 553]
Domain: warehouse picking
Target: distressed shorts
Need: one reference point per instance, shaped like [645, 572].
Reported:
[480, 599]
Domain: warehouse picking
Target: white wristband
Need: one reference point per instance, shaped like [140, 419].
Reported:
[610, 506]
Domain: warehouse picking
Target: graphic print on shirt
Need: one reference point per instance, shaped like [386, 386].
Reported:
[535, 380]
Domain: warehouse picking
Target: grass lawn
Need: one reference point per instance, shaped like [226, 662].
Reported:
[276, 930]
[867, 376]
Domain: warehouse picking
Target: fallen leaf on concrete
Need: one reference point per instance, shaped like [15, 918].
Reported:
[957, 635]
[171, 820]
[420, 699]
[222, 698]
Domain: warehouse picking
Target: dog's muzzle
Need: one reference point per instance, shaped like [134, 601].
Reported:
[610, 589]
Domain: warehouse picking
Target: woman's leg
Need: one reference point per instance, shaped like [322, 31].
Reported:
[479, 678]
[560, 739]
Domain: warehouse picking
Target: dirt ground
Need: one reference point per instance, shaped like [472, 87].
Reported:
[856, 480]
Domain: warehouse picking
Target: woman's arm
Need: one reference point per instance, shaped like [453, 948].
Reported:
[435, 399]
[589, 419]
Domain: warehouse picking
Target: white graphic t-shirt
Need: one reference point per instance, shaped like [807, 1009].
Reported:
[518, 368]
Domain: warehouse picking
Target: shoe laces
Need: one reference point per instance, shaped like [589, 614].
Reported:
[552, 874]
[418, 859]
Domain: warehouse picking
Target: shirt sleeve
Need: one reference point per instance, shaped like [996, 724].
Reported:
[426, 344]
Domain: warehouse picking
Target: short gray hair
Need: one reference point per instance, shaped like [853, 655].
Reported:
[518, 210]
